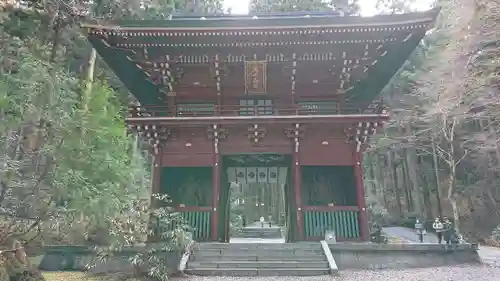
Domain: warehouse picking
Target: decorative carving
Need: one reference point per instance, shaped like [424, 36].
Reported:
[221, 132]
[124, 33]
[296, 137]
[216, 134]
[156, 135]
[294, 72]
[256, 134]
[361, 132]
[291, 132]
[295, 134]
[159, 71]
[345, 75]
[377, 107]
[135, 110]
[217, 74]
[256, 159]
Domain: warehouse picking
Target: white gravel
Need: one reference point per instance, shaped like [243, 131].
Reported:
[462, 273]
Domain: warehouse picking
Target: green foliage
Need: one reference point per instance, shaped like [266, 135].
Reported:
[100, 167]
[130, 231]
[347, 6]
[79, 167]
[70, 173]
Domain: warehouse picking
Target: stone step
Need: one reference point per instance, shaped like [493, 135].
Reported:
[270, 229]
[260, 231]
[243, 251]
[258, 235]
[257, 272]
[235, 257]
[259, 264]
[270, 246]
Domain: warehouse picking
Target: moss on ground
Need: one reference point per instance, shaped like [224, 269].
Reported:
[75, 276]
[68, 276]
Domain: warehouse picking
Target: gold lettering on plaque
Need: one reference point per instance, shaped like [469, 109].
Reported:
[255, 77]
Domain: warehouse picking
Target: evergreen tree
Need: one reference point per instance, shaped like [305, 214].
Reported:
[347, 6]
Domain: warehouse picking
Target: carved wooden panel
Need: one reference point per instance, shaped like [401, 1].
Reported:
[239, 141]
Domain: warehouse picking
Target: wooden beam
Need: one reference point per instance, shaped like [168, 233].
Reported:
[249, 120]
[330, 208]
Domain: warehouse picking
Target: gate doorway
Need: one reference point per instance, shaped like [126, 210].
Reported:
[255, 203]
[258, 202]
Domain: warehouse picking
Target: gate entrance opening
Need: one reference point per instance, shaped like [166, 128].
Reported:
[257, 196]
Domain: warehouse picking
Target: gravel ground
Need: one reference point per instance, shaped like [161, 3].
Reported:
[464, 273]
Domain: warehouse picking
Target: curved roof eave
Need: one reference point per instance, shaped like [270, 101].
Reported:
[134, 79]
[235, 23]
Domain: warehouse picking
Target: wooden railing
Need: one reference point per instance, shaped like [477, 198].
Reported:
[344, 220]
[200, 110]
[199, 219]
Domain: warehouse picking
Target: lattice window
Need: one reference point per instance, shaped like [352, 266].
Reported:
[318, 107]
[256, 107]
[195, 109]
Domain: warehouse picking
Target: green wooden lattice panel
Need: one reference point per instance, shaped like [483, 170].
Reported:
[200, 222]
[344, 223]
[204, 109]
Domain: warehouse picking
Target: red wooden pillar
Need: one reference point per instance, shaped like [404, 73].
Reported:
[297, 182]
[215, 187]
[360, 195]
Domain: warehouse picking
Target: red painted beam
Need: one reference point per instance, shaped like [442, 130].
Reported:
[284, 119]
[329, 208]
[297, 181]
[215, 197]
[360, 196]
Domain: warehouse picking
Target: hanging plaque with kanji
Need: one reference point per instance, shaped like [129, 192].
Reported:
[255, 77]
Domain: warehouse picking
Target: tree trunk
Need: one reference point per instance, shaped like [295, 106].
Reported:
[56, 38]
[425, 188]
[413, 179]
[372, 180]
[436, 175]
[452, 177]
[88, 80]
[453, 201]
[397, 191]
[408, 200]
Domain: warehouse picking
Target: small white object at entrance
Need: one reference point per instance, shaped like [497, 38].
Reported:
[330, 236]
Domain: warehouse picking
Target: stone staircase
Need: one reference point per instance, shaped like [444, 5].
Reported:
[266, 232]
[262, 259]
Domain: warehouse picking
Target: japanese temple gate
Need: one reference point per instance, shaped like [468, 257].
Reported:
[288, 102]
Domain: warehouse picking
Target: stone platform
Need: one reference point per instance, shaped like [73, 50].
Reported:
[399, 256]
[253, 258]
[313, 259]
[257, 230]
